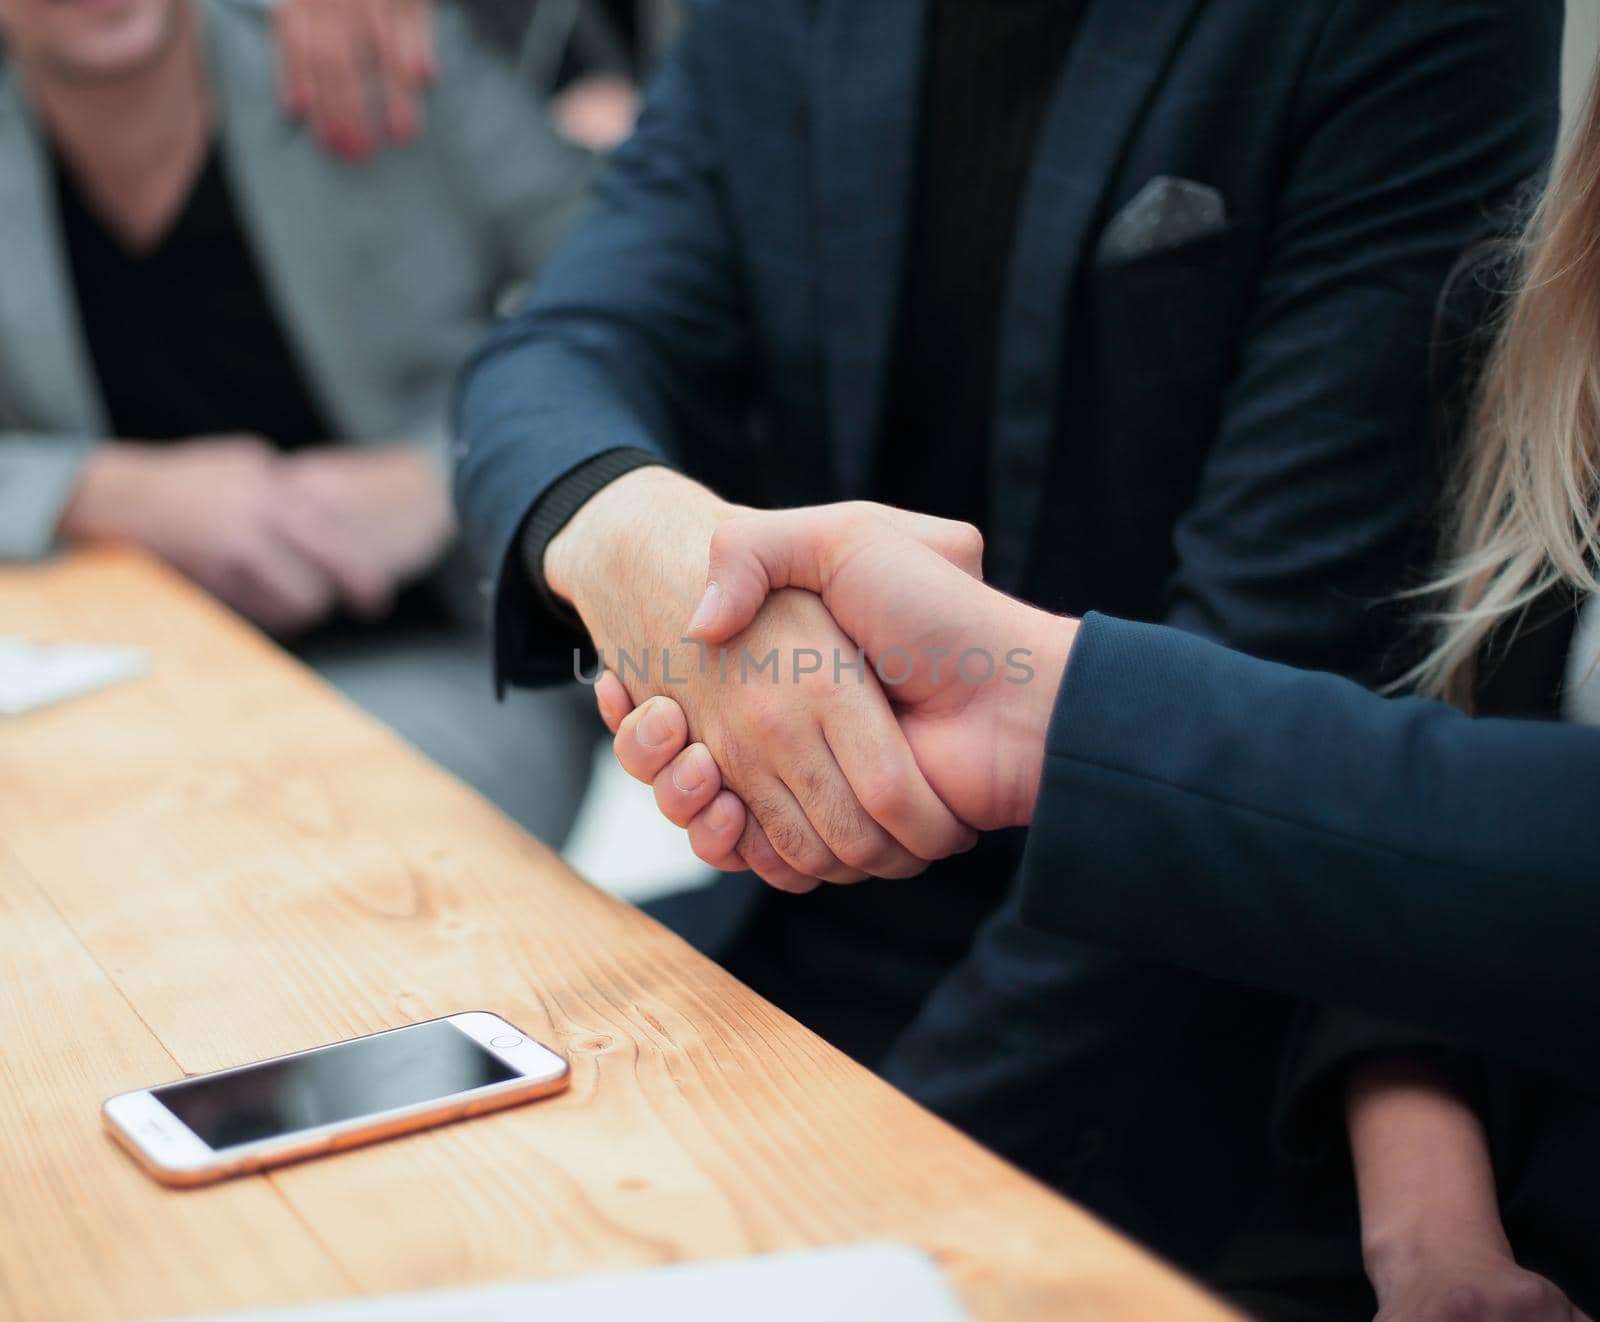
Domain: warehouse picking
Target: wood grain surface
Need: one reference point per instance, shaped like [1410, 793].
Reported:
[222, 860]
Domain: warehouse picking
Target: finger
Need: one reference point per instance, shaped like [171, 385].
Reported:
[417, 39]
[339, 94]
[280, 589]
[755, 555]
[293, 93]
[846, 829]
[714, 834]
[751, 558]
[958, 542]
[357, 575]
[649, 737]
[886, 781]
[762, 859]
[686, 786]
[613, 700]
[397, 79]
[788, 833]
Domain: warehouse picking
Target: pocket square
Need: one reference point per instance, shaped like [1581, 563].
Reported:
[1166, 213]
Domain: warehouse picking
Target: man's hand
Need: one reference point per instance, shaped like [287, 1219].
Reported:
[355, 69]
[974, 673]
[832, 789]
[283, 541]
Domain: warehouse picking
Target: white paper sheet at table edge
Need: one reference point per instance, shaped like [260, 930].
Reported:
[855, 1283]
[34, 675]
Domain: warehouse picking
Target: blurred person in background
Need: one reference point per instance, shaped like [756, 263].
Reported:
[223, 344]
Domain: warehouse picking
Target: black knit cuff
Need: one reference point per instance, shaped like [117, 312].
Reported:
[555, 508]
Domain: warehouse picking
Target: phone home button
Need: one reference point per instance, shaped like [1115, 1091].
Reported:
[506, 1040]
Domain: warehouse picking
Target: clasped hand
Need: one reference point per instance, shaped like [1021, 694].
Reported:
[283, 539]
[967, 674]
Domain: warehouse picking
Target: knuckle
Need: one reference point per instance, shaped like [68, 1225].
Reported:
[859, 517]
[795, 844]
[756, 849]
[885, 795]
[808, 855]
[768, 721]
[1465, 1303]
[673, 803]
[1533, 1297]
[726, 538]
[868, 851]
[707, 847]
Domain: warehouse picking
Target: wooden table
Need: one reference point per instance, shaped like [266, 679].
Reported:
[223, 860]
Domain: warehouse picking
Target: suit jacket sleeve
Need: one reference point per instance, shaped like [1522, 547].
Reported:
[38, 474]
[1311, 500]
[1294, 831]
[636, 316]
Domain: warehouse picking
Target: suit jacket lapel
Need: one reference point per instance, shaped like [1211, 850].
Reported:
[46, 363]
[277, 176]
[866, 97]
[1117, 59]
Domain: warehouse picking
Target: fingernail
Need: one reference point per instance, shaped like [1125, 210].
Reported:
[717, 815]
[654, 729]
[705, 613]
[688, 775]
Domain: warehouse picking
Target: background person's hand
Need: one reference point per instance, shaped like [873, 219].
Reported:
[882, 575]
[223, 512]
[597, 111]
[389, 501]
[355, 70]
[1449, 1281]
[831, 786]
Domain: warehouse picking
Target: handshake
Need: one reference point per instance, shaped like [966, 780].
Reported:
[846, 699]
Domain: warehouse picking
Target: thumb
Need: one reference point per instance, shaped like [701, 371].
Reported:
[754, 556]
[959, 543]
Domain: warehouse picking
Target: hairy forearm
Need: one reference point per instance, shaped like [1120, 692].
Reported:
[1423, 1169]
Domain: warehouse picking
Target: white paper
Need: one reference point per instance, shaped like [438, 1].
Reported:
[34, 675]
[858, 1283]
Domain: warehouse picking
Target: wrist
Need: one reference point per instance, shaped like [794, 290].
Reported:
[102, 491]
[1424, 1172]
[1406, 1247]
[1028, 719]
[649, 527]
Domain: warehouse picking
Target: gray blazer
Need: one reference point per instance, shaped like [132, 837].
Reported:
[384, 275]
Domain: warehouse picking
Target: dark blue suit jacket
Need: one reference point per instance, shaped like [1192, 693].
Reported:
[1294, 831]
[1229, 436]
[1290, 830]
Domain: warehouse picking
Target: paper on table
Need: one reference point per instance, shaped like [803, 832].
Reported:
[36, 674]
[855, 1283]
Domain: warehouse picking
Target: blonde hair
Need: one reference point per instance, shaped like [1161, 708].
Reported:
[1525, 518]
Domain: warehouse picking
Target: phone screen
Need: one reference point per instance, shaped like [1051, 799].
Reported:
[410, 1065]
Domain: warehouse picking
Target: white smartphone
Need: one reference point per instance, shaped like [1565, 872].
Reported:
[235, 1121]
